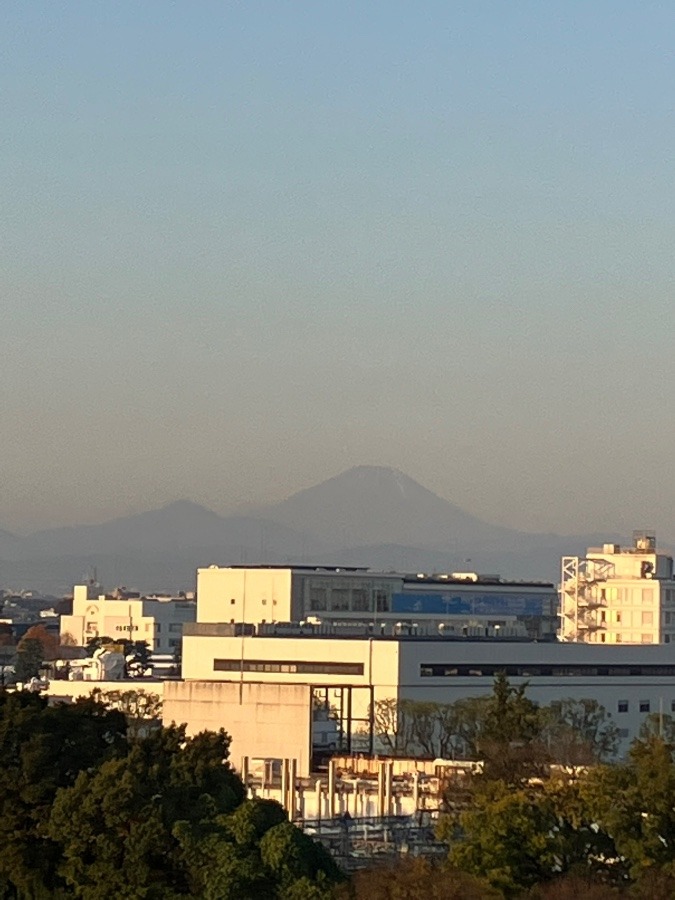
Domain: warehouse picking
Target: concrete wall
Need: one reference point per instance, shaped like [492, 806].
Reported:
[243, 595]
[264, 720]
[69, 691]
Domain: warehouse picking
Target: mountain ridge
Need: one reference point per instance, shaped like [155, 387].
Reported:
[368, 515]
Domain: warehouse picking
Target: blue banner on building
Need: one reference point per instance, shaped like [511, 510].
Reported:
[452, 604]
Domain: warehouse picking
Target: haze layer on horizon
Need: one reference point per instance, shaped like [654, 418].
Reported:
[249, 245]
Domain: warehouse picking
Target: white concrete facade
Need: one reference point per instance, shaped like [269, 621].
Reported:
[269, 594]
[159, 622]
[629, 681]
[264, 720]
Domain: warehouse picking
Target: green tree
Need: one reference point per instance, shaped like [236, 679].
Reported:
[635, 803]
[96, 643]
[29, 659]
[137, 658]
[255, 852]
[507, 838]
[579, 732]
[142, 709]
[415, 879]
[658, 725]
[118, 824]
[510, 743]
[42, 749]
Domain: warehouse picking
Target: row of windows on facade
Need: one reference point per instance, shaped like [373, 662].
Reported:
[174, 627]
[341, 600]
[633, 596]
[346, 600]
[296, 667]
[625, 617]
[444, 670]
[263, 601]
[623, 706]
[620, 638]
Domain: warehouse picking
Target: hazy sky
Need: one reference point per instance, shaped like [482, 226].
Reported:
[246, 245]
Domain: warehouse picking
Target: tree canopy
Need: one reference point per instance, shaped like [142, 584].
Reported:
[86, 811]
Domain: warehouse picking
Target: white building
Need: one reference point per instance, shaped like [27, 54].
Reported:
[629, 681]
[619, 595]
[269, 594]
[159, 621]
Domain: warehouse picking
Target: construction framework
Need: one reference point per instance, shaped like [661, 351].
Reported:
[583, 597]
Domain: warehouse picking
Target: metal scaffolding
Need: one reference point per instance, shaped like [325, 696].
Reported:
[583, 597]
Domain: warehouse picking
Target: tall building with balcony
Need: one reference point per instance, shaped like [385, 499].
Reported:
[619, 595]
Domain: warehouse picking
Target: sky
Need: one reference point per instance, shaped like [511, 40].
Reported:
[247, 245]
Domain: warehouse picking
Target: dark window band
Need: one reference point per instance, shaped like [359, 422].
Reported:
[448, 670]
[295, 667]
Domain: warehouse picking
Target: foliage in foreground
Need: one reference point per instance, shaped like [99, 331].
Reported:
[86, 812]
[528, 827]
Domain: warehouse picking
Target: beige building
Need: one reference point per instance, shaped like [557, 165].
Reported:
[619, 595]
[353, 672]
[158, 621]
[463, 600]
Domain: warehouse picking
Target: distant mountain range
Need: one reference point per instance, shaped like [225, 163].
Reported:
[369, 515]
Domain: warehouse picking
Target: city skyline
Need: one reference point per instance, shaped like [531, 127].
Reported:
[247, 248]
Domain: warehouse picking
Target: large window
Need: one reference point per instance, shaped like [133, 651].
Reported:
[317, 599]
[452, 670]
[339, 599]
[360, 600]
[382, 601]
[295, 667]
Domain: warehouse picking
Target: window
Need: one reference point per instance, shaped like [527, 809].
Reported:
[617, 618]
[624, 733]
[339, 599]
[648, 595]
[232, 602]
[294, 667]
[672, 706]
[446, 670]
[622, 706]
[317, 598]
[648, 618]
[644, 706]
[646, 639]
[381, 601]
[360, 600]
[264, 602]
[176, 627]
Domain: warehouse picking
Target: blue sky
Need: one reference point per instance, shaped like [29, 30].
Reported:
[248, 245]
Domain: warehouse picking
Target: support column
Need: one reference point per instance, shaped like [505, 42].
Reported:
[331, 788]
[284, 785]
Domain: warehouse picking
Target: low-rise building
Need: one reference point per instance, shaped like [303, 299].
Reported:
[358, 669]
[158, 621]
